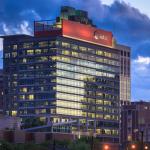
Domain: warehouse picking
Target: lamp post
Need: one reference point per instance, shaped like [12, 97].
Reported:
[92, 142]
[142, 134]
[54, 145]
[133, 146]
[106, 147]
[142, 138]
[145, 147]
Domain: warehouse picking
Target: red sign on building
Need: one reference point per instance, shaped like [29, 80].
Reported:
[86, 33]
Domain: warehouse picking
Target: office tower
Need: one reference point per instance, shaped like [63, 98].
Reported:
[66, 75]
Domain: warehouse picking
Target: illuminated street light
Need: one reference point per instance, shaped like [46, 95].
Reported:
[146, 147]
[133, 146]
[106, 147]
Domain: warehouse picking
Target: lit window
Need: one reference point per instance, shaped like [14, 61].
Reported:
[43, 44]
[14, 54]
[30, 52]
[22, 97]
[65, 52]
[75, 47]
[14, 113]
[66, 45]
[82, 48]
[14, 47]
[24, 90]
[38, 51]
[27, 45]
[24, 60]
[7, 55]
[31, 97]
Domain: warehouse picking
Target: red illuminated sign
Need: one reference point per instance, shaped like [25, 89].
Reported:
[86, 33]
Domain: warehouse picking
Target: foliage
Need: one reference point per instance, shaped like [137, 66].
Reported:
[32, 122]
[5, 146]
[8, 146]
[79, 145]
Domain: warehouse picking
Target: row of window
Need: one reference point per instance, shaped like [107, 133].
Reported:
[90, 50]
[83, 76]
[83, 58]
[84, 70]
[26, 45]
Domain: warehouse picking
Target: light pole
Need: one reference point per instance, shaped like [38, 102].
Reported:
[142, 138]
[142, 134]
[145, 147]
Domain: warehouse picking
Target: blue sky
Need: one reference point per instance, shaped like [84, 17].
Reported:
[129, 21]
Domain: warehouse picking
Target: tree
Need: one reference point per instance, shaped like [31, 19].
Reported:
[5, 146]
[79, 145]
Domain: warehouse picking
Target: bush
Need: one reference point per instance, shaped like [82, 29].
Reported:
[79, 145]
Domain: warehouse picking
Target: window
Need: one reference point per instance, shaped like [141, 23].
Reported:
[14, 113]
[66, 45]
[14, 54]
[30, 52]
[27, 45]
[7, 55]
[38, 51]
[82, 48]
[14, 47]
[23, 90]
[75, 47]
[31, 97]
[24, 60]
[52, 43]
[43, 44]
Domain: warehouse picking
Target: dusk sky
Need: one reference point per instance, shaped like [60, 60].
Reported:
[129, 21]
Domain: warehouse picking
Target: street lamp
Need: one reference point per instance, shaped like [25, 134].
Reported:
[133, 146]
[146, 147]
[106, 147]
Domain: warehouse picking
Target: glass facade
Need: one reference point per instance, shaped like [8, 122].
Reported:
[63, 80]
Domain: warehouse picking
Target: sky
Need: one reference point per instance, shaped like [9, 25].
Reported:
[142, 5]
[129, 20]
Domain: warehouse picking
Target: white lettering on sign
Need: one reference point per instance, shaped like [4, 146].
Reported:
[100, 36]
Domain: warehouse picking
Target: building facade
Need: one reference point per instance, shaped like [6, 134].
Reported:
[125, 74]
[67, 73]
[1, 92]
[135, 120]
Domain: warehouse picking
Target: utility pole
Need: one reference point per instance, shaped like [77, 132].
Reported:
[142, 142]
[54, 145]
[92, 142]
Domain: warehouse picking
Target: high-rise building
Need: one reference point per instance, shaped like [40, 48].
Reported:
[125, 74]
[66, 74]
[1, 91]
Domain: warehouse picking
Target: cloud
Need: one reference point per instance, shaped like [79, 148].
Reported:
[142, 60]
[1, 44]
[140, 78]
[22, 28]
[128, 24]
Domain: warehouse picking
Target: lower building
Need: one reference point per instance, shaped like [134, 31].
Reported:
[9, 123]
[135, 122]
